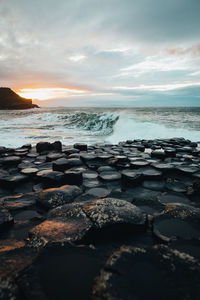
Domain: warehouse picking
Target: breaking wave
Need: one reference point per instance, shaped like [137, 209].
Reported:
[96, 122]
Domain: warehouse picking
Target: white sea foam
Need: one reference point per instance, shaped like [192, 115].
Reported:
[94, 125]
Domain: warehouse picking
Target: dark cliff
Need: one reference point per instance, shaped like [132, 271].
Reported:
[11, 100]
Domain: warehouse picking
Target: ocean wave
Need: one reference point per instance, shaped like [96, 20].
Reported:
[99, 123]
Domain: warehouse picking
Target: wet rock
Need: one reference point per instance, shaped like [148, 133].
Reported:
[131, 178]
[65, 223]
[178, 187]
[63, 164]
[98, 192]
[29, 171]
[105, 169]
[73, 176]
[179, 220]
[170, 197]
[11, 160]
[88, 174]
[26, 165]
[51, 178]
[54, 156]
[70, 151]
[43, 146]
[27, 215]
[164, 167]
[139, 163]
[81, 147]
[38, 187]
[13, 181]
[91, 183]
[145, 272]
[154, 185]
[158, 154]
[110, 175]
[57, 146]
[5, 219]
[54, 197]
[187, 169]
[150, 173]
[109, 211]
[19, 202]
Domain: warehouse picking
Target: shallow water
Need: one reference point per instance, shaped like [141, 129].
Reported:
[97, 125]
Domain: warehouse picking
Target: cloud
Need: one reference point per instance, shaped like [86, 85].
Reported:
[93, 45]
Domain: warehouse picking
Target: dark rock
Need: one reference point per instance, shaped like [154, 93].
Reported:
[187, 169]
[43, 146]
[81, 147]
[54, 197]
[164, 167]
[131, 178]
[63, 164]
[37, 188]
[98, 192]
[5, 219]
[54, 156]
[173, 198]
[158, 154]
[19, 202]
[109, 211]
[139, 163]
[154, 185]
[73, 176]
[88, 174]
[11, 100]
[168, 270]
[65, 223]
[91, 183]
[29, 171]
[105, 169]
[110, 175]
[57, 146]
[51, 178]
[11, 160]
[178, 187]
[150, 173]
[179, 220]
[13, 181]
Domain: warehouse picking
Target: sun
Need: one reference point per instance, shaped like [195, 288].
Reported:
[49, 93]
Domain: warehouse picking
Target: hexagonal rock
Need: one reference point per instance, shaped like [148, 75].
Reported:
[81, 147]
[51, 178]
[187, 169]
[73, 176]
[54, 156]
[148, 273]
[98, 192]
[19, 202]
[29, 171]
[63, 164]
[109, 211]
[131, 178]
[139, 163]
[11, 160]
[178, 220]
[154, 185]
[5, 219]
[54, 197]
[64, 223]
[13, 181]
[88, 174]
[150, 173]
[158, 154]
[110, 175]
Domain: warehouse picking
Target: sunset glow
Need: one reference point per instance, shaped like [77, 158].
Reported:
[49, 93]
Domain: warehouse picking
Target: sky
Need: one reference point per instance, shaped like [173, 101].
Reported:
[102, 52]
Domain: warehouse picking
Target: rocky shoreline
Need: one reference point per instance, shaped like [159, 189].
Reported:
[101, 221]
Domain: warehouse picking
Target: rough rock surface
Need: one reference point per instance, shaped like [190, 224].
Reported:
[91, 221]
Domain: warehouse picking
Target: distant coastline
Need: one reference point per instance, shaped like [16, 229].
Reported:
[10, 100]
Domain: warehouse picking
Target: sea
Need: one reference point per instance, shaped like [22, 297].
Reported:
[97, 125]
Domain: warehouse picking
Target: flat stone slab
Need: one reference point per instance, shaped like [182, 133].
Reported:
[98, 192]
[170, 197]
[88, 174]
[29, 171]
[5, 219]
[178, 187]
[110, 175]
[11, 160]
[154, 185]
[54, 197]
[179, 221]
[63, 164]
[148, 273]
[150, 173]
[131, 177]
[187, 169]
[109, 211]
[139, 164]
[19, 202]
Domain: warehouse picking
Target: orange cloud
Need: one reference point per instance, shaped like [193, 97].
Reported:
[194, 51]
